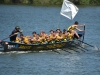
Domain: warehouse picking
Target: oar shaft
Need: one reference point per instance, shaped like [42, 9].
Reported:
[83, 34]
[86, 43]
[8, 37]
[81, 47]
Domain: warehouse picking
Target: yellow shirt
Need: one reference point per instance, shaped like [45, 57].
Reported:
[58, 38]
[51, 37]
[64, 37]
[70, 36]
[71, 27]
[26, 41]
[17, 39]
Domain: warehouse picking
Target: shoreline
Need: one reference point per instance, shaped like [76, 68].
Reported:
[48, 5]
[49, 2]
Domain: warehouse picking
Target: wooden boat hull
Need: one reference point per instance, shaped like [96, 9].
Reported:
[12, 46]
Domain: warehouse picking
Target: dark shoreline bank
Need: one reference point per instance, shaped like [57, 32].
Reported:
[49, 2]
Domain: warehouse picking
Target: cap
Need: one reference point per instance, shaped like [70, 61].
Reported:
[17, 27]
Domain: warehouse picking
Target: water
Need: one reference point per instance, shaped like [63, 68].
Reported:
[36, 18]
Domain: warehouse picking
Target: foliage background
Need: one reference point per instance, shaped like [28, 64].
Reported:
[50, 2]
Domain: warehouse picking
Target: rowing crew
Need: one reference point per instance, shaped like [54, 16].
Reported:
[43, 37]
[54, 36]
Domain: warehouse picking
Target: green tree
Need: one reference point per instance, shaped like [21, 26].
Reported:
[84, 2]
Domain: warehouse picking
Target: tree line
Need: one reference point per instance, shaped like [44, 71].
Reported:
[50, 2]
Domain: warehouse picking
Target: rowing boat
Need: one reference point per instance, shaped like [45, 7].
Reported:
[13, 46]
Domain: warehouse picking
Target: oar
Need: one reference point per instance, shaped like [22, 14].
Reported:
[83, 48]
[88, 44]
[66, 51]
[85, 42]
[9, 36]
[55, 51]
[80, 47]
[12, 35]
[83, 33]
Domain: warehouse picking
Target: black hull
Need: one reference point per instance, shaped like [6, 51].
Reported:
[12, 46]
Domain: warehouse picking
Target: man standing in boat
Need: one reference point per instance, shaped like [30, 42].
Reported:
[73, 29]
[15, 33]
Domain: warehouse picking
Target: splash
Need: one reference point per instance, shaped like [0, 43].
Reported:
[96, 48]
[83, 45]
[1, 52]
[15, 52]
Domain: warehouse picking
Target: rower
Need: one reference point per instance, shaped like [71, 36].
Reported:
[52, 36]
[72, 29]
[14, 33]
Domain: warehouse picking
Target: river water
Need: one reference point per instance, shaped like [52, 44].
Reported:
[37, 18]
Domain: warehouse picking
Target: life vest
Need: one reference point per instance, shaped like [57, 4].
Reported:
[51, 37]
[71, 27]
[64, 37]
[40, 40]
[58, 38]
[17, 40]
[70, 36]
[26, 40]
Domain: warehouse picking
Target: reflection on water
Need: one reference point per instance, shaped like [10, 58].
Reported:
[36, 18]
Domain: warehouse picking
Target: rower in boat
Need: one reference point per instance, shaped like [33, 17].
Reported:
[44, 37]
[52, 36]
[34, 38]
[14, 34]
[59, 37]
[65, 35]
[72, 29]
[24, 39]
[70, 35]
[58, 31]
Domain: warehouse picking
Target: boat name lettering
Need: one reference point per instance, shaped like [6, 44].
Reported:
[24, 47]
[56, 45]
[11, 46]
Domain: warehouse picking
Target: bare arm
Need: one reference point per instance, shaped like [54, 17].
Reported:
[79, 29]
[81, 25]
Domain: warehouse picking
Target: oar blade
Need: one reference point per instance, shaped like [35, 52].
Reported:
[95, 48]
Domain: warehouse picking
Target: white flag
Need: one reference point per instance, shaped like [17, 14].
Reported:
[68, 9]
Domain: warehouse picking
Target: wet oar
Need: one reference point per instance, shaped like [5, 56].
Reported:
[83, 33]
[9, 36]
[80, 47]
[86, 43]
[89, 44]
[66, 51]
[55, 51]
[13, 35]
[83, 48]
